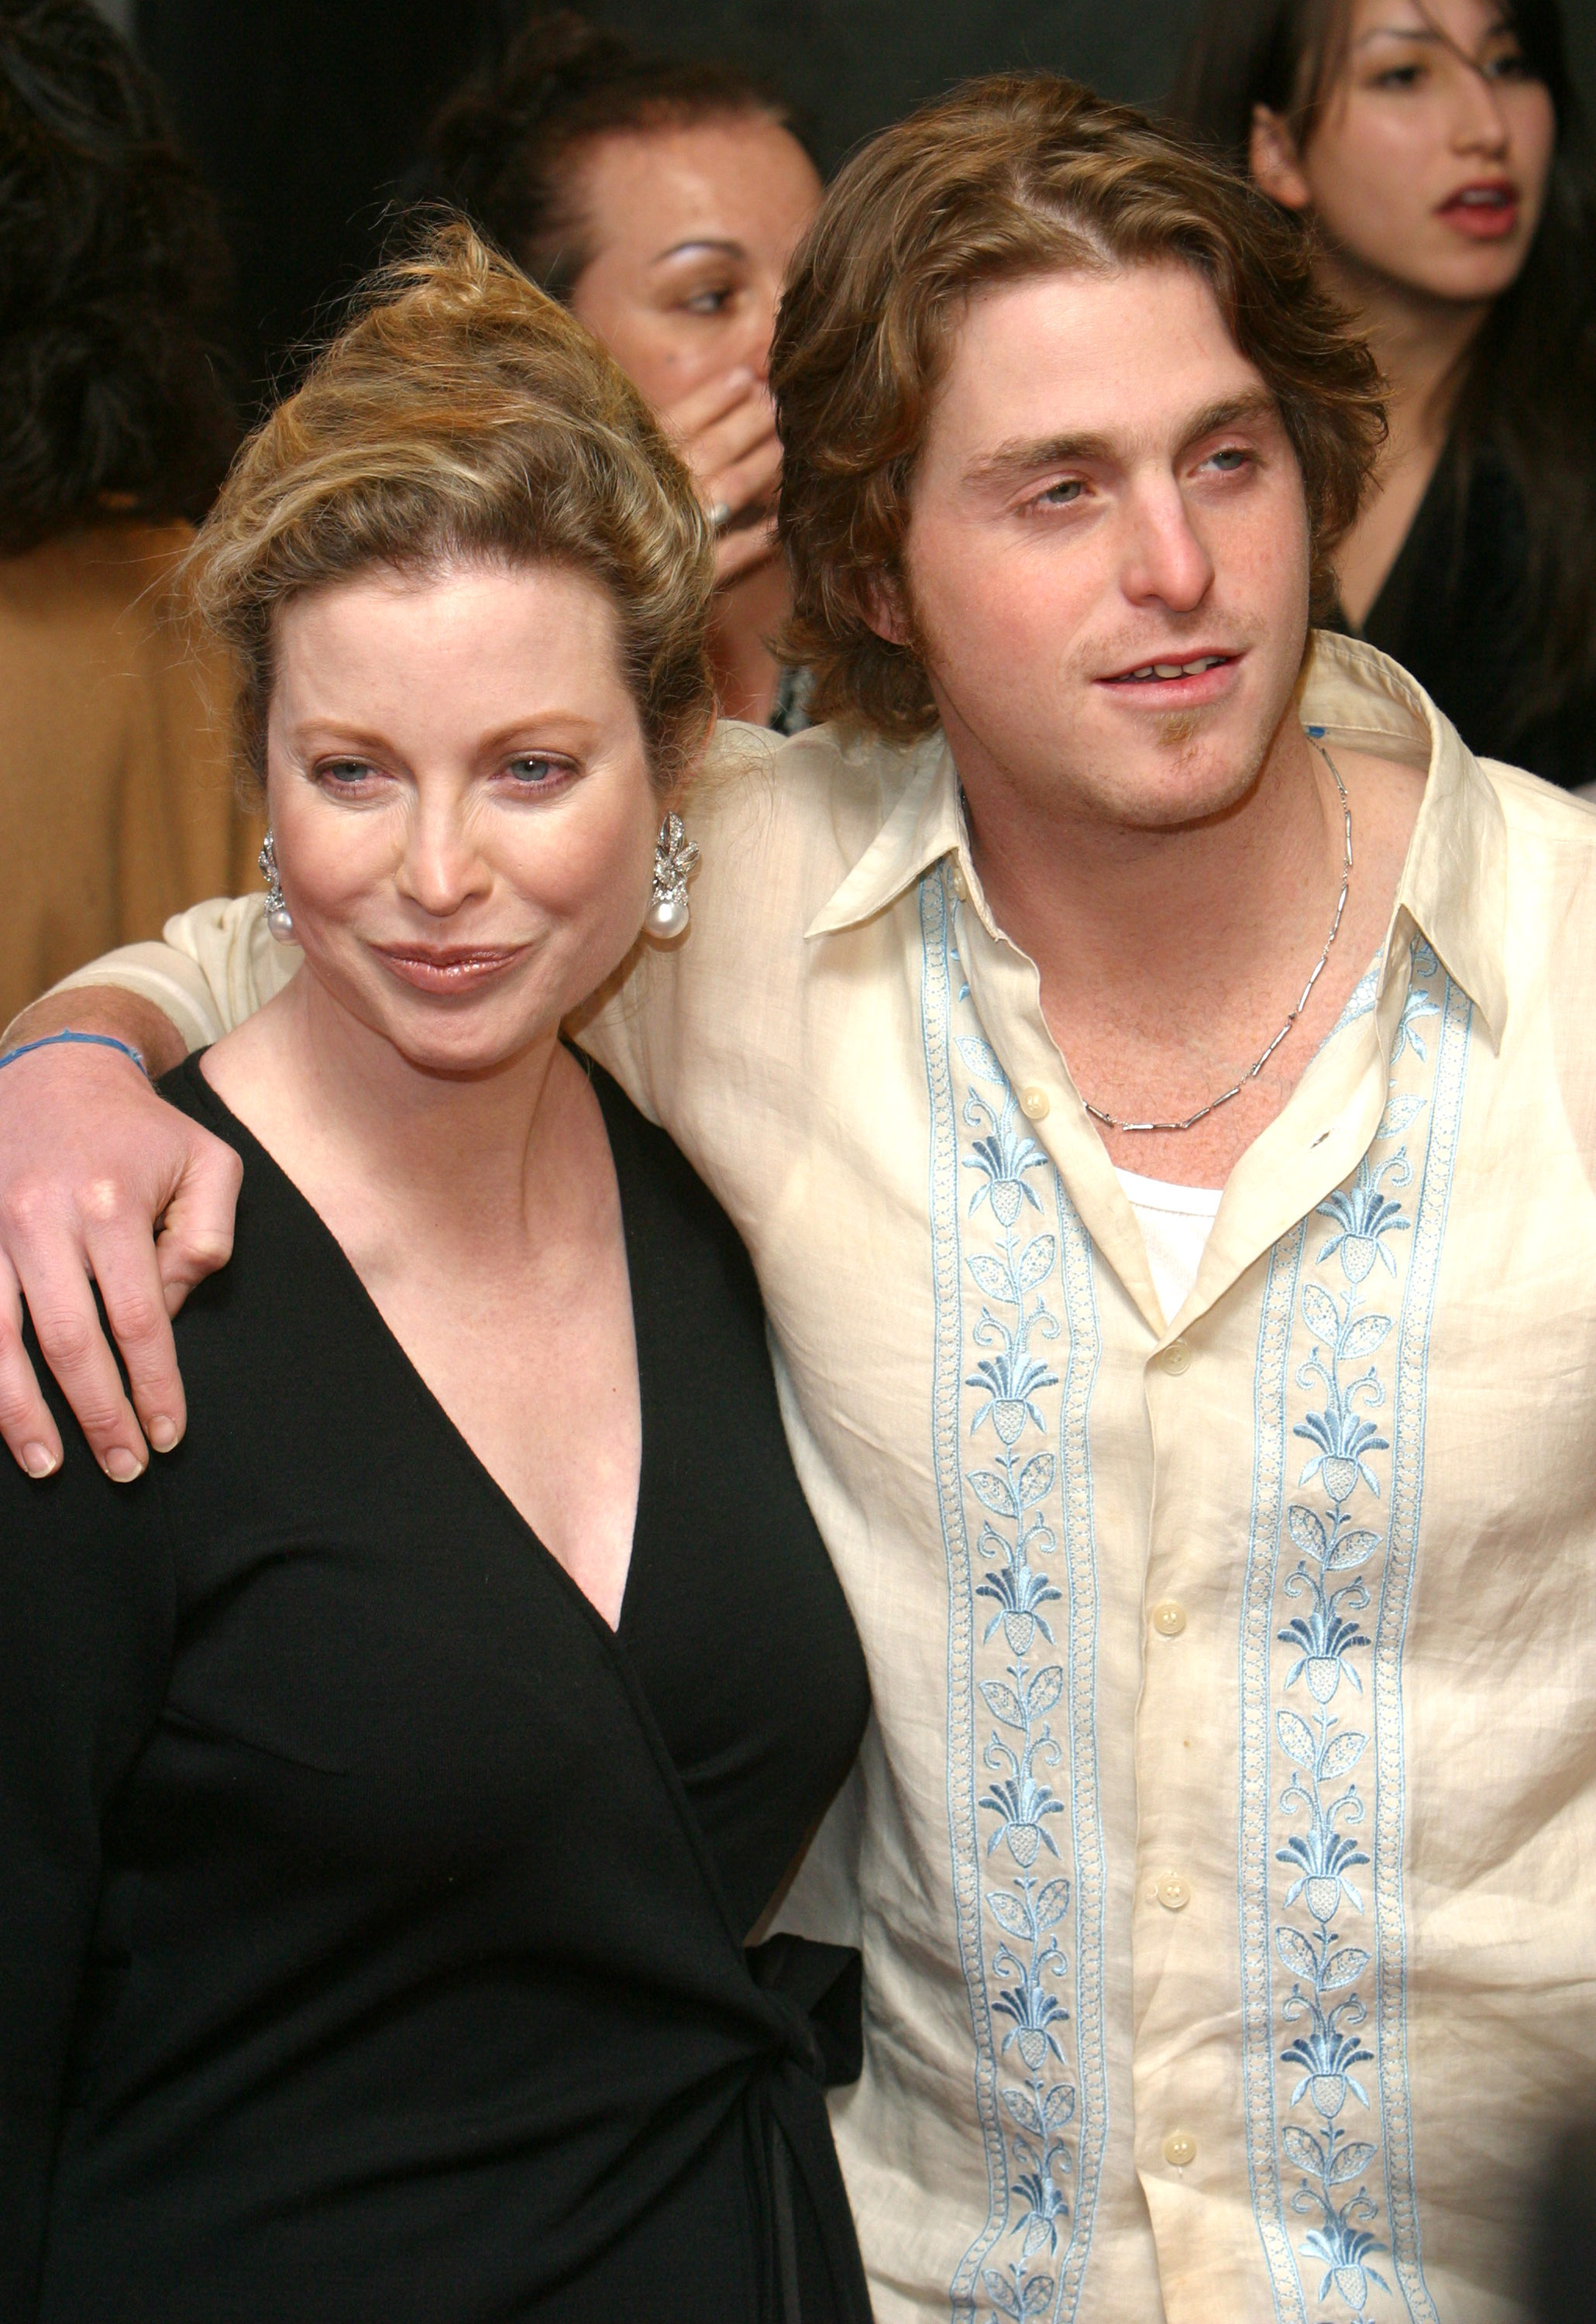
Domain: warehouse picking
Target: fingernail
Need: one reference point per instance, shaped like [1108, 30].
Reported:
[39, 1461]
[162, 1433]
[120, 1466]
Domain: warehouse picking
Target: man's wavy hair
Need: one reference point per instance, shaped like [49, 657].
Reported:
[1011, 177]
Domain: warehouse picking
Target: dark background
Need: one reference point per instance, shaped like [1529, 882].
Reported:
[303, 114]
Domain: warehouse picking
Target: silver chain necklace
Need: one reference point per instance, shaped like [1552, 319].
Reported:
[1254, 1070]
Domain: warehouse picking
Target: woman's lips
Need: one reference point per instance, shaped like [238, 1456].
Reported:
[461, 969]
[1484, 213]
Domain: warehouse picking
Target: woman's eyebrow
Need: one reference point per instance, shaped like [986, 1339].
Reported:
[699, 241]
[1422, 31]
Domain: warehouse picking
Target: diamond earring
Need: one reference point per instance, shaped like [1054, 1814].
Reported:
[674, 854]
[279, 918]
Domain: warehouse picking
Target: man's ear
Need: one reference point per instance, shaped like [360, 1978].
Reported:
[1275, 164]
[885, 610]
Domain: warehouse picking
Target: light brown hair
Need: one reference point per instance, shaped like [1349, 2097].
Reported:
[1010, 177]
[464, 415]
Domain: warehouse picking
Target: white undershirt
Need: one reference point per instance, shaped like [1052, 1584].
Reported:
[1175, 1222]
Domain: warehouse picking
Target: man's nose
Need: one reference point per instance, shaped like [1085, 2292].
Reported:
[1166, 562]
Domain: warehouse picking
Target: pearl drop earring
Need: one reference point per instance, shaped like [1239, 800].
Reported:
[279, 918]
[674, 854]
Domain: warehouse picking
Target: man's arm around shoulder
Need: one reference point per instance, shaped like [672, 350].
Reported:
[102, 1183]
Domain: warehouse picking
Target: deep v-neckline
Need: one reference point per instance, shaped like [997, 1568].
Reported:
[465, 1451]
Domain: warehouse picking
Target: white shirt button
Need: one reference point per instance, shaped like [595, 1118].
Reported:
[1175, 1359]
[1180, 2148]
[1033, 1104]
[958, 883]
[1169, 1618]
[1173, 1893]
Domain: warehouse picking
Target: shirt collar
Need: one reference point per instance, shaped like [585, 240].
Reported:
[925, 824]
[1454, 886]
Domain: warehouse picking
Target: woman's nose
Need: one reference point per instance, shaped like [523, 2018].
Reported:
[1479, 122]
[441, 870]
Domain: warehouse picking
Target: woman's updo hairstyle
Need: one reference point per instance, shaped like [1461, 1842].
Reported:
[464, 415]
[505, 147]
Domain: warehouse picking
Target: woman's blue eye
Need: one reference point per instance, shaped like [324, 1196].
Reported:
[536, 773]
[1400, 77]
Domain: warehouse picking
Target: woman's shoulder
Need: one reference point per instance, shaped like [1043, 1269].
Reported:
[186, 1088]
[671, 1217]
[286, 1272]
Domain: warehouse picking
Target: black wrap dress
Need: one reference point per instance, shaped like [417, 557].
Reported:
[372, 1917]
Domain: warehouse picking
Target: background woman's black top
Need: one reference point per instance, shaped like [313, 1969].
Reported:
[1451, 611]
[372, 1916]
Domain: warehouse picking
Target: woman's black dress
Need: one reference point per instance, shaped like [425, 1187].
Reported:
[1451, 611]
[372, 1916]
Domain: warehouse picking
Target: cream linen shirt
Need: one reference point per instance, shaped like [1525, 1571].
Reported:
[1223, 1849]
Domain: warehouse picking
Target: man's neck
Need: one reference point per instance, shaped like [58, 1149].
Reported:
[1132, 925]
[1168, 958]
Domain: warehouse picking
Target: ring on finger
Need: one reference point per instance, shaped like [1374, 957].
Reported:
[720, 514]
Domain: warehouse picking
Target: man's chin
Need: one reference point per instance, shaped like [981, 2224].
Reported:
[1178, 788]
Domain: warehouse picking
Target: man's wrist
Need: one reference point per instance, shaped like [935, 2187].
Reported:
[107, 1012]
[71, 1039]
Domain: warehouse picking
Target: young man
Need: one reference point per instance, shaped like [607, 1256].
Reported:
[1148, 1060]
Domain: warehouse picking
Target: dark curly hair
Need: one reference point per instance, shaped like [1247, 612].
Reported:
[502, 147]
[112, 268]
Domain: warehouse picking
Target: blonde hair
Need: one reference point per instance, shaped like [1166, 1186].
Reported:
[464, 415]
[1010, 177]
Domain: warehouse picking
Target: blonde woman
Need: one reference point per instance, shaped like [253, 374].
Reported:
[390, 1782]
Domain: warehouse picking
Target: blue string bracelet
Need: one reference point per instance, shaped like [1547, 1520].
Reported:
[51, 1040]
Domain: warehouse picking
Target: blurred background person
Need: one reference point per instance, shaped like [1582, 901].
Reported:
[1563, 2258]
[659, 200]
[115, 430]
[1439, 150]
[117, 807]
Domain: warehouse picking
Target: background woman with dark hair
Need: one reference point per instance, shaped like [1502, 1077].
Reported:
[659, 201]
[115, 805]
[1438, 148]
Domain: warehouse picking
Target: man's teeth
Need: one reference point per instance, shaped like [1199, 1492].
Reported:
[1151, 669]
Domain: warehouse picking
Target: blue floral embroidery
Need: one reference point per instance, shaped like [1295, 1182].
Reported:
[1016, 1361]
[1354, 1304]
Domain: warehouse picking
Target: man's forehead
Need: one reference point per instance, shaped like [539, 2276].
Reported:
[1120, 353]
